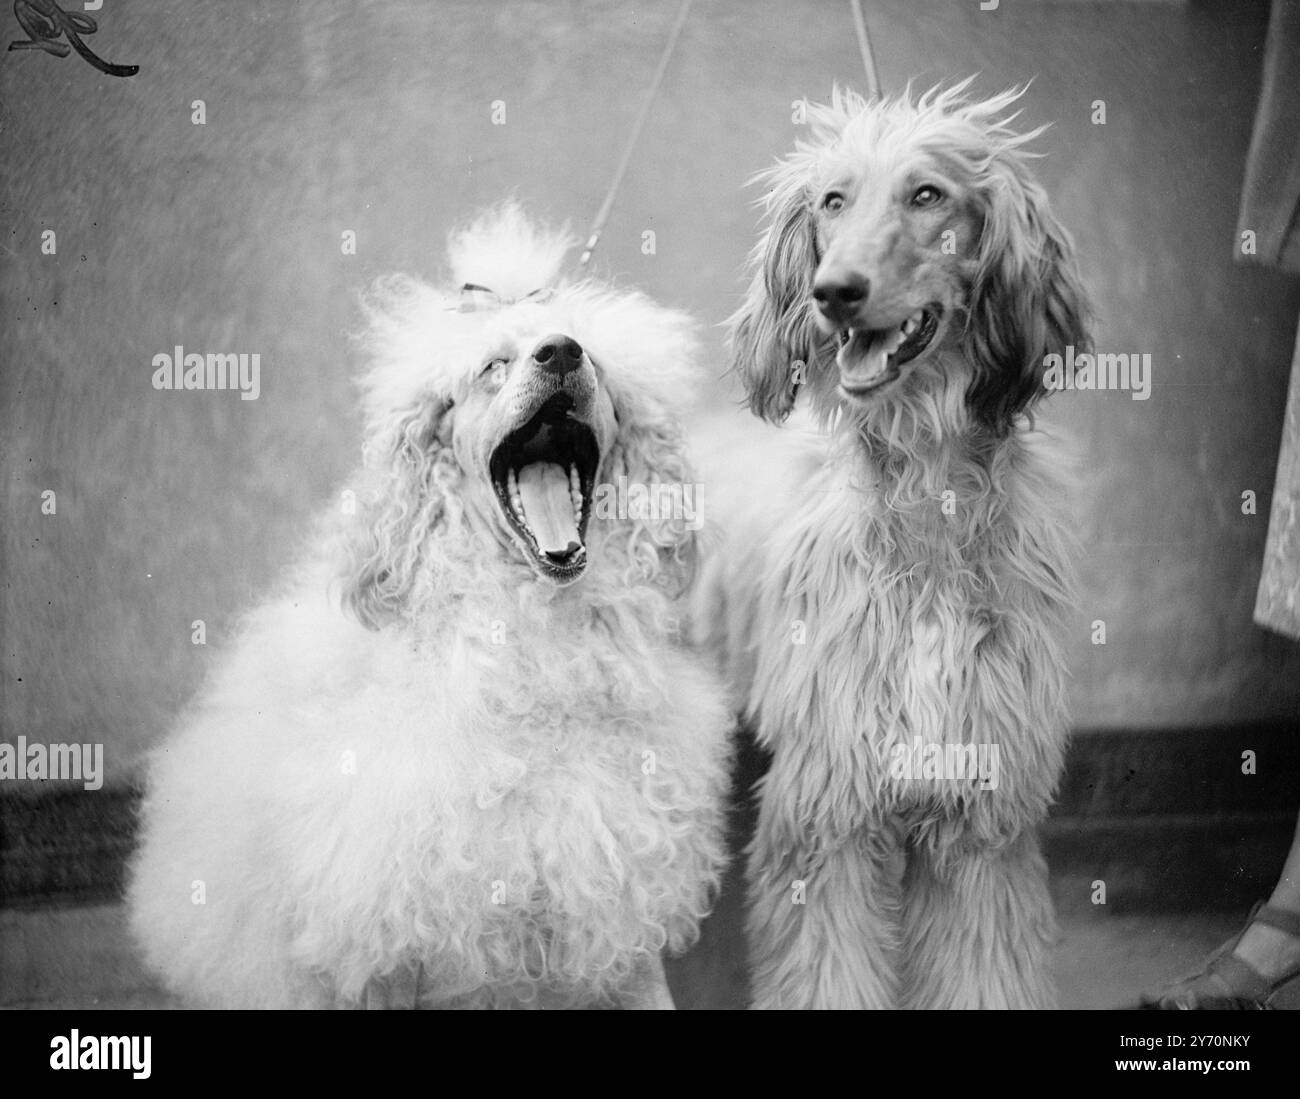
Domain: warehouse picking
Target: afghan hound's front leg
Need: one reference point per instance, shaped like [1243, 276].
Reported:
[821, 925]
[978, 926]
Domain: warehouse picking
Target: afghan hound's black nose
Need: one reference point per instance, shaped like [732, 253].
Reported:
[839, 295]
[558, 354]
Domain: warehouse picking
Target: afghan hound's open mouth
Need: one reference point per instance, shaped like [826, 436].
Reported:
[869, 358]
[544, 473]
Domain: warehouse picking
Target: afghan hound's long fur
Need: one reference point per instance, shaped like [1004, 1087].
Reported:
[902, 583]
[486, 773]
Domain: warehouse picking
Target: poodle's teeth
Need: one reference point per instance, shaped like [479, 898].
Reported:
[516, 500]
[575, 491]
[913, 322]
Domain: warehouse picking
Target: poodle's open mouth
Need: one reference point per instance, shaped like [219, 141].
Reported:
[869, 358]
[544, 473]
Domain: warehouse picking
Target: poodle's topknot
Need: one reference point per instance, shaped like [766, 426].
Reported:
[507, 252]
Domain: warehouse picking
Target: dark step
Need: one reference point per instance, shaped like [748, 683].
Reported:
[1166, 818]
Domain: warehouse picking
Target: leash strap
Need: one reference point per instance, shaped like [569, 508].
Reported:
[598, 224]
[864, 47]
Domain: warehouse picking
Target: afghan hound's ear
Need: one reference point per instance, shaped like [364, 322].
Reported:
[1026, 300]
[648, 501]
[415, 480]
[772, 335]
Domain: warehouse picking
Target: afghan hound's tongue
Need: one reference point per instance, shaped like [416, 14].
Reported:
[863, 358]
[548, 507]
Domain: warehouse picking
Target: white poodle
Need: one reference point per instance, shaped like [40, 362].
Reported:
[498, 780]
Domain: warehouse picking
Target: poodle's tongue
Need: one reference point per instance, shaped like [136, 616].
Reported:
[863, 359]
[548, 507]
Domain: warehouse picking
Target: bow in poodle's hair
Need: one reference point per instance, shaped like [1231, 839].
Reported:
[470, 301]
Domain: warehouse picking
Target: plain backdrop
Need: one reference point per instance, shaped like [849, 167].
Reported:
[377, 118]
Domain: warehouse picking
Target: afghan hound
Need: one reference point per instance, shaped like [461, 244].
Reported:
[464, 759]
[890, 605]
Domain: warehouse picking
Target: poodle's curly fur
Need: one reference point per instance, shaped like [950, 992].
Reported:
[907, 577]
[429, 773]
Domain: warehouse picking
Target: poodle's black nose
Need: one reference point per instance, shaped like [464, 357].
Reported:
[558, 354]
[839, 295]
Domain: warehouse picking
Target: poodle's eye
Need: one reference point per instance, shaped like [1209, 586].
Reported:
[833, 202]
[927, 195]
[491, 365]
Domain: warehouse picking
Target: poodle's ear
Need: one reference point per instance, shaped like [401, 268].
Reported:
[1026, 299]
[773, 336]
[416, 477]
[647, 501]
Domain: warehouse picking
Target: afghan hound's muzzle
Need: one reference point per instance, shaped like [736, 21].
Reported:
[544, 469]
[869, 356]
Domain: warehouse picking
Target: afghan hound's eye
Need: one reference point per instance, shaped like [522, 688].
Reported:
[833, 202]
[492, 365]
[927, 195]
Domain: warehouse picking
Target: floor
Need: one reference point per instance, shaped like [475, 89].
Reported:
[80, 958]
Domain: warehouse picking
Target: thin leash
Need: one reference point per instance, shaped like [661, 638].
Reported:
[602, 215]
[873, 87]
[864, 47]
[474, 296]
[598, 224]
